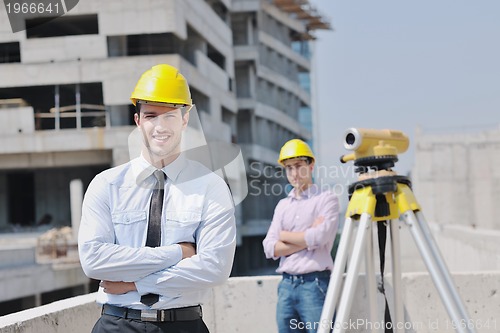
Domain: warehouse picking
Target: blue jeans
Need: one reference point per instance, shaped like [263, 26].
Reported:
[300, 301]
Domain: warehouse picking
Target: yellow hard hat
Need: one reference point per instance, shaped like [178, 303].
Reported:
[162, 84]
[295, 148]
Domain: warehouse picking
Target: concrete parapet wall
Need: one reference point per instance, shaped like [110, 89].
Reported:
[76, 315]
[248, 304]
[468, 249]
[465, 249]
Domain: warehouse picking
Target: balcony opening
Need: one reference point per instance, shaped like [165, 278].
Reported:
[10, 52]
[229, 118]
[121, 115]
[42, 27]
[196, 43]
[201, 100]
[244, 126]
[220, 9]
[243, 81]
[62, 106]
[38, 198]
[145, 44]
[21, 189]
[216, 56]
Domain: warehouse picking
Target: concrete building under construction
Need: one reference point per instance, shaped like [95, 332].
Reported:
[65, 112]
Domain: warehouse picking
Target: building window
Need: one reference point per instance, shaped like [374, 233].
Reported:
[10, 52]
[71, 25]
[305, 117]
[302, 47]
[239, 26]
[305, 81]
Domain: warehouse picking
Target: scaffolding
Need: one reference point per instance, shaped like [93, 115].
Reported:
[304, 11]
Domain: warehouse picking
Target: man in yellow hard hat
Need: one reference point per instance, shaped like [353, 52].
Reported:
[158, 231]
[301, 235]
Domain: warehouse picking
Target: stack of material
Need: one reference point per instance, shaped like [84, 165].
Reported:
[56, 245]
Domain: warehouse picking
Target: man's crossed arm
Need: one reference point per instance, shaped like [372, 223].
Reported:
[291, 242]
[121, 287]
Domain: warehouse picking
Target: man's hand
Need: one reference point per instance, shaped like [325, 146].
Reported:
[117, 287]
[188, 249]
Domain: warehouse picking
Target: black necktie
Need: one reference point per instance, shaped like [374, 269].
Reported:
[154, 225]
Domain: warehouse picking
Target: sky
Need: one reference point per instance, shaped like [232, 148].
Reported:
[400, 64]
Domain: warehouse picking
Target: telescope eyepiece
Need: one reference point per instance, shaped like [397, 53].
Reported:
[350, 138]
[353, 139]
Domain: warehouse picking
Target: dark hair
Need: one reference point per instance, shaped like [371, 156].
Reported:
[139, 105]
[308, 159]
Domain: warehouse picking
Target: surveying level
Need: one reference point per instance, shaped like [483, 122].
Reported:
[381, 196]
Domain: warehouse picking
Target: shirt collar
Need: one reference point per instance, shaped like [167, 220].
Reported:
[143, 169]
[310, 192]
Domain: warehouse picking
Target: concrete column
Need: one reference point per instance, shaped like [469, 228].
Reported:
[3, 201]
[216, 110]
[78, 107]
[57, 119]
[249, 32]
[253, 128]
[76, 199]
[252, 81]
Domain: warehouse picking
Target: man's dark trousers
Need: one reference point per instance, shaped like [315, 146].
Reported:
[111, 324]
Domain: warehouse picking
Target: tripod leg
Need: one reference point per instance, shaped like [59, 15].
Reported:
[441, 264]
[371, 280]
[332, 293]
[438, 271]
[396, 278]
[343, 312]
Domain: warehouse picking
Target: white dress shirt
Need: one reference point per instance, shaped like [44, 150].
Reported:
[197, 208]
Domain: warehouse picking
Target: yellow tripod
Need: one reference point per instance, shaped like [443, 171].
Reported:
[382, 195]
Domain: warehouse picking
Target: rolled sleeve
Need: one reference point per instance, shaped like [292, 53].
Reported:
[322, 235]
[272, 236]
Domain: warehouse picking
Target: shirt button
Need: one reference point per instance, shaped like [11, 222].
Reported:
[127, 219]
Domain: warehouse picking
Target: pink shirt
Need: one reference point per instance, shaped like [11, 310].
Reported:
[298, 215]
